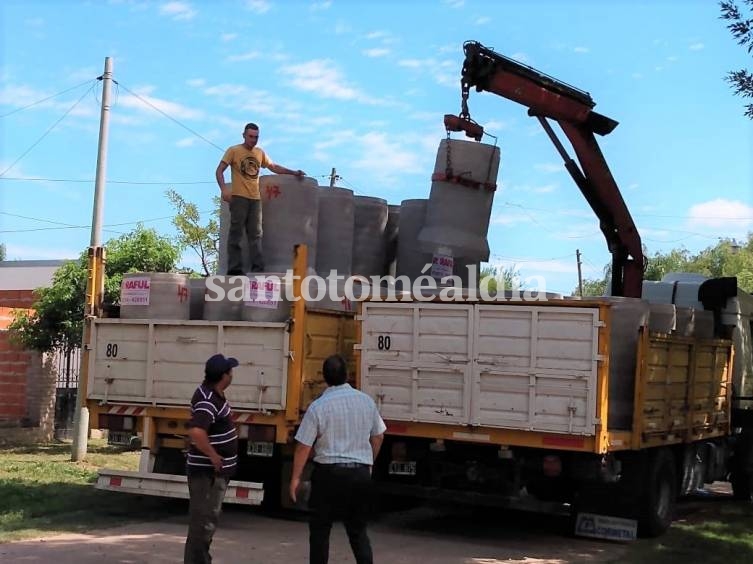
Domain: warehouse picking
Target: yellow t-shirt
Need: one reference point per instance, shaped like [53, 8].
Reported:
[245, 166]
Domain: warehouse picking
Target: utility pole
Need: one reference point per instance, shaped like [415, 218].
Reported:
[580, 277]
[95, 279]
[333, 177]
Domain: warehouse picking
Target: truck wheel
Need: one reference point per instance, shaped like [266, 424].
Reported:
[660, 494]
[742, 469]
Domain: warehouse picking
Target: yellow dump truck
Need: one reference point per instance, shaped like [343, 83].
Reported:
[608, 408]
[141, 374]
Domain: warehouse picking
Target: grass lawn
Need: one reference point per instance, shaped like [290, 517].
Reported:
[710, 532]
[43, 492]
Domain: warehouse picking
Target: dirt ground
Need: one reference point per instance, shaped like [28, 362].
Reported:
[421, 535]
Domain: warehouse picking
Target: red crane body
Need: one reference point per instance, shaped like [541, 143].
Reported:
[547, 98]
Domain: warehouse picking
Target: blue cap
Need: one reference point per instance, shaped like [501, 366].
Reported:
[217, 365]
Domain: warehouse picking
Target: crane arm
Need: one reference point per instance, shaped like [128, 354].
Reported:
[548, 98]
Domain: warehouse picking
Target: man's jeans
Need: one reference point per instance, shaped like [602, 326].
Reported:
[245, 219]
[207, 492]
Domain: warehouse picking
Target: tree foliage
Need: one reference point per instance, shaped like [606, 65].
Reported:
[204, 240]
[56, 321]
[741, 26]
[726, 258]
[2, 251]
[505, 278]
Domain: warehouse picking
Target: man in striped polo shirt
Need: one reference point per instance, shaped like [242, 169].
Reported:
[346, 432]
[212, 458]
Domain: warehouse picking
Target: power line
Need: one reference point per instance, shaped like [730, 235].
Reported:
[45, 99]
[70, 226]
[69, 110]
[155, 108]
[129, 182]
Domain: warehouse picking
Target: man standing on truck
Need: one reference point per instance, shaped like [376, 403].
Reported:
[244, 198]
[346, 432]
[212, 458]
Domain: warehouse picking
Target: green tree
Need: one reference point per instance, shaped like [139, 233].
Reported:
[725, 258]
[2, 251]
[204, 240]
[56, 321]
[741, 27]
[492, 278]
[676, 260]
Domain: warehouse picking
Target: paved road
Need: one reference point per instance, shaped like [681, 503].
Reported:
[417, 536]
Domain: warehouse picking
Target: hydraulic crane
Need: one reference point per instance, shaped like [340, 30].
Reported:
[548, 98]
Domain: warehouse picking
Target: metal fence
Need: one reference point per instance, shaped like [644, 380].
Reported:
[67, 368]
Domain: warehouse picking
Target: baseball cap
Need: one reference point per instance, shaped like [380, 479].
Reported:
[217, 365]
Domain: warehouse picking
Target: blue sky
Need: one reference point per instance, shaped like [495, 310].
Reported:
[363, 86]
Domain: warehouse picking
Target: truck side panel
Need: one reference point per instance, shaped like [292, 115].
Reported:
[518, 367]
[160, 362]
[684, 386]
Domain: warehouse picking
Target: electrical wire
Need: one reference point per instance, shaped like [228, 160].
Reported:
[155, 108]
[38, 141]
[128, 182]
[26, 107]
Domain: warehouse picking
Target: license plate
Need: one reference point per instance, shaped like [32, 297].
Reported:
[256, 448]
[402, 468]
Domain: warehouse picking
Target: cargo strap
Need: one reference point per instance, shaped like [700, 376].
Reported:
[444, 177]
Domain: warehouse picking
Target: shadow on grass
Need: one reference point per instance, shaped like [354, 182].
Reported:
[63, 448]
[32, 509]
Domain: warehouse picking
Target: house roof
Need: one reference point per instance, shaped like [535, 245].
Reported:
[27, 274]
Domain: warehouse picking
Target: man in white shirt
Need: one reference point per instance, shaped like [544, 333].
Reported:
[344, 428]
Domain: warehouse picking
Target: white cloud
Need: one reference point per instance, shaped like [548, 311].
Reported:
[445, 73]
[20, 95]
[196, 82]
[453, 3]
[341, 28]
[377, 35]
[382, 158]
[637, 76]
[186, 142]
[178, 10]
[672, 59]
[376, 52]
[533, 267]
[696, 46]
[508, 218]
[721, 214]
[482, 20]
[323, 78]
[46, 252]
[521, 57]
[633, 186]
[581, 50]
[248, 56]
[258, 6]
[495, 125]
[549, 167]
[225, 37]
[35, 22]
[535, 189]
[318, 6]
[143, 101]
[240, 97]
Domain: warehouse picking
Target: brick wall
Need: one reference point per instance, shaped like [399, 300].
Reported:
[27, 379]
[16, 298]
[13, 369]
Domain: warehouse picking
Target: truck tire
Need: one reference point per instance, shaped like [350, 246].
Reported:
[741, 475]
[657, 504]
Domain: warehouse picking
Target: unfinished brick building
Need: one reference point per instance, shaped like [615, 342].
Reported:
[28, 379]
